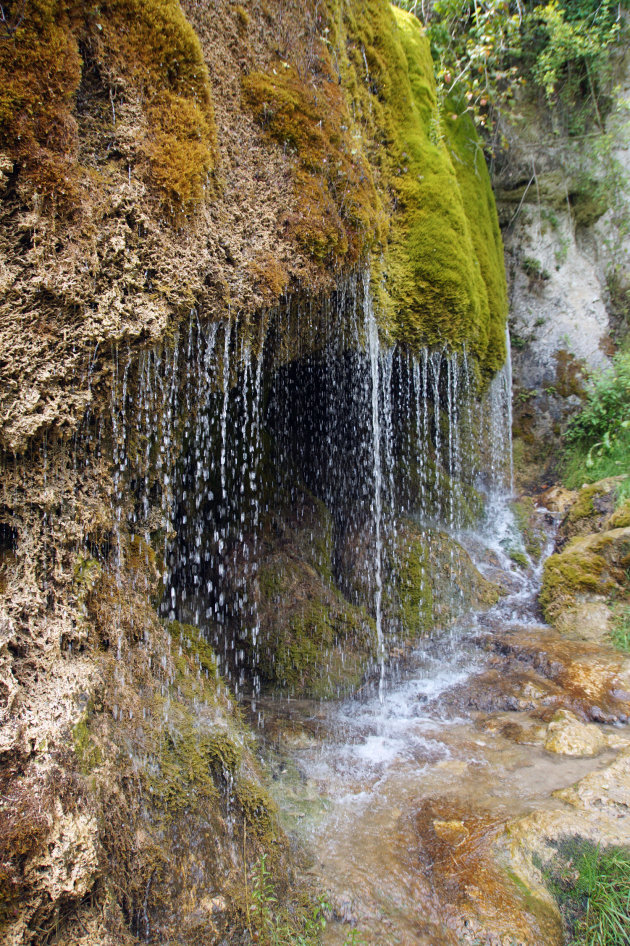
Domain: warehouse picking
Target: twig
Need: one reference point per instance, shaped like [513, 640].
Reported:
[12, 27]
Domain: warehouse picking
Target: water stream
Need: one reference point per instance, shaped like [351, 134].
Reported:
[400, 796]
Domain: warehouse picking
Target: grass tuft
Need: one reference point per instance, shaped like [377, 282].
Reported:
[592, 887]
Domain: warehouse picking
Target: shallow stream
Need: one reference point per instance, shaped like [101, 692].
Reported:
[401, 801]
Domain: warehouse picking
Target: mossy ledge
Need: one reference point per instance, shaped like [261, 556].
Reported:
[382, 166]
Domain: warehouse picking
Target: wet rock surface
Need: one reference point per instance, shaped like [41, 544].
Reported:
[454, 791]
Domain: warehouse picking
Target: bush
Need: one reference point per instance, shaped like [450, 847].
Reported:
[598, 438]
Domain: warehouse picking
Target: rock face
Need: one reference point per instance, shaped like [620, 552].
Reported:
[591, 678]
[283, 131]
[567, 735]
[562, 206]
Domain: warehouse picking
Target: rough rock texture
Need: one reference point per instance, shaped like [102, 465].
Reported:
[592, 509]
[121, 267]
[563, 210]
[567, 735]
[596, 808]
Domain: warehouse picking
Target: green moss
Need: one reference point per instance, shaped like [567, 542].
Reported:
[192, 641]
[313, 642]
[519, 558]
[592, 564]
[184, 772]
[445, 260]
[257, 808]
[457, 585]
[413, 587]
[621, 516]
[339, 212]
[430, 580]
[382, 166]
[620, 630]
[441, 278]
[582, 508]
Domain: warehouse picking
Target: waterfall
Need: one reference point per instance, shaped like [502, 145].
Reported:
[216, 437]
[374, 352]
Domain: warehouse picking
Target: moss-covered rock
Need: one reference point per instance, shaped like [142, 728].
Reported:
[591, 565]
[340, 212]
[380, 164]
[313, 641]
[145, 50]
[444, 263]
[592, 509]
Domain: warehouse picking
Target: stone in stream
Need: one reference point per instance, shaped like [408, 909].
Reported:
[567, 735]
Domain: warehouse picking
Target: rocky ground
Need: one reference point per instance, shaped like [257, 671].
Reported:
[530, 750]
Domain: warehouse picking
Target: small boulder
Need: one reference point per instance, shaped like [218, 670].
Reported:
[568, 735]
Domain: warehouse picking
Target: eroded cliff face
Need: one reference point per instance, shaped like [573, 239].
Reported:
[264, 151]
[175, 176]
[562, 200]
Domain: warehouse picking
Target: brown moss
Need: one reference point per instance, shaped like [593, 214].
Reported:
[338, 213]
[152, 42]
[176, 147]
[151, 46]
[25, 820]
[570, 374]
[271, 277]
[40, 71]
[143, 49]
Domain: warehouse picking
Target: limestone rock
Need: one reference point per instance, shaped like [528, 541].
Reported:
[588, 620]
[557, 499]
[567, 735]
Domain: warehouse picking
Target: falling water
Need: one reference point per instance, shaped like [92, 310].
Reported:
[212, 436]
[373, 347]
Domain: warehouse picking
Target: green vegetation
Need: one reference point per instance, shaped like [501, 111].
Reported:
[620, 631]
[592, 887]
[598, 438]
[533, 268]
[270, 925]
[485, 49]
